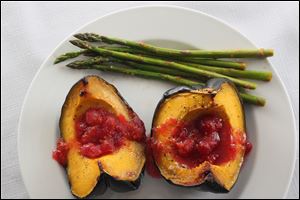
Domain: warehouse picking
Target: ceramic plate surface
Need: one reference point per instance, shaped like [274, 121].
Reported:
[267, 171]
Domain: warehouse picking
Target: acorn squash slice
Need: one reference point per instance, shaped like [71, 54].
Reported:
[123, 168]
[198, 135]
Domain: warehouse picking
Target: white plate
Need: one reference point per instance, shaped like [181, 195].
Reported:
[267, 171]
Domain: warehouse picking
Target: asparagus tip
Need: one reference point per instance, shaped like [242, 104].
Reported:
[80, 44]
[78, 36]
[91, 37]
[70, 65]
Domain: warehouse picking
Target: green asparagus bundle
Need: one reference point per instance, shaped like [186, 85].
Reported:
[159, 62]
[186, 67]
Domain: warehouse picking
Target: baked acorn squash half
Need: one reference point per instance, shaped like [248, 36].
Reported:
[105, 138]
[198, 135]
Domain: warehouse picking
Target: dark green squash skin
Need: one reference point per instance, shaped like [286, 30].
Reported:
[122, 186]
[209, 185]
[106, 180]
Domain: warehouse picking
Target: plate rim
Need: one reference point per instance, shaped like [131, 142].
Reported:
[142, 7]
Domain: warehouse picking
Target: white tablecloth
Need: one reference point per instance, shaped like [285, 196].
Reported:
[30, 31]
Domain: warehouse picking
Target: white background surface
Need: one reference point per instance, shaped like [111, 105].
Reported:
[30, 31]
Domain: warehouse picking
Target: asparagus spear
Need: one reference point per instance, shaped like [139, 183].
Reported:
[106, 60]
[216, 63]
[210, 62]
[136, 72]
[68, 55]
[148, 60]
[252, 99]
[250, 74]
[248, 98]
[91, 37]
[159, 69]
[88, 62]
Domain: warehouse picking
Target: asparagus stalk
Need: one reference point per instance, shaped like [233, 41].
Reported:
[159, 69]
[105, 60]
[68, 55]
[137, 72]
[90, 53]
[260, 53]
[148, 60]
[252, 99]
[126, 49]
[250, 74]
[210, 62]
[256, 100]
[216, 63]
[74, 54]
[88, 62]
